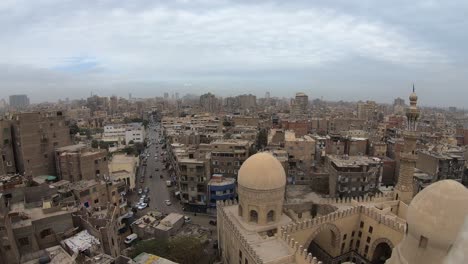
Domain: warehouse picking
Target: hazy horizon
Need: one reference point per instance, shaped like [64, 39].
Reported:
[336, 49]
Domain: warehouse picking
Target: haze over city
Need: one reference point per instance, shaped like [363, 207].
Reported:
[337, 50]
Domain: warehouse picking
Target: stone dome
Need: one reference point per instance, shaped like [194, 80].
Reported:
[413, 97]
[262, 171]
[438, 212]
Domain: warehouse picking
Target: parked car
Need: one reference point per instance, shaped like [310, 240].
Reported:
[146, 190]
[140, 191]
[129, 239]
[213, 222]
[187, 219]
[142, 206]
[146, 200]
[142, 180]
[167, 202]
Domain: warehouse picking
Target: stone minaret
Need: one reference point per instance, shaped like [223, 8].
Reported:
[408, 157]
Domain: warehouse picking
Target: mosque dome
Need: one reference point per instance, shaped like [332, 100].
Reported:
[413, 97]
[438, 212]
[262, 171]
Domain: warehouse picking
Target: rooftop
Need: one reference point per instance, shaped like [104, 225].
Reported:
[346, 161]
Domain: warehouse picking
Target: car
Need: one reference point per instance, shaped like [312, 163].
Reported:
[167, 202]
[146, 190]
[142, 206]
[129, 239]
[187, 219]
[140, 191]
[146, 200]
[142, 180]
[212, 222]
[142, 200]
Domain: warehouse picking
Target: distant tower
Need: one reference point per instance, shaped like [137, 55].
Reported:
[408, 157]
[267, 95]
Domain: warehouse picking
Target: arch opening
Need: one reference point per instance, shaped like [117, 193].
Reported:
[271, 216]
[382, 252]
[253, 216]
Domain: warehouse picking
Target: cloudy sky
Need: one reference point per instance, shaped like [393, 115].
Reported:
[335, 49]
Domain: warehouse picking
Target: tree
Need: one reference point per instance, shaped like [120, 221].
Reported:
[190, 245]
[183, 249]
[227, 123]
[74, 129]
[262, 138]
[94, 143]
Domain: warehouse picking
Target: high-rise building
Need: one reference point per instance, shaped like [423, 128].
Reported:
[209, 103]
[300, 104]
[247, 101]
[19, 101]
[408, 157]
[35, 137]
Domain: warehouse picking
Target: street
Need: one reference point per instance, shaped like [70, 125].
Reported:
[159, 192]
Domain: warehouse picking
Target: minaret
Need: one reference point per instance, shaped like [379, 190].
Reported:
[408, 157]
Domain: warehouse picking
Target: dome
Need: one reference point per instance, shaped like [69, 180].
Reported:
[262, 171]
[413, 97]
[438, 212]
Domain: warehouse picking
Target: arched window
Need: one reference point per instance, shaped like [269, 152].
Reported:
[271, 216]
[253, 216]
[240, 210]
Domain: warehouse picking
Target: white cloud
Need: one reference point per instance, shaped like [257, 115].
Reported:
[135, 42]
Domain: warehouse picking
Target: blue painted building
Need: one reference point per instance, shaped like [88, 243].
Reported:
[221, 189]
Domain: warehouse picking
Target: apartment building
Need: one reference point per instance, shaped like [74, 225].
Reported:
[36, 135]
[132, 132]
[301, 152]
[442, 165]
[77, 162]
[353, 176]
[228, 155]
[7, 161]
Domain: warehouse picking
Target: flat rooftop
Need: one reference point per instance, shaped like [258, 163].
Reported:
[353, 161]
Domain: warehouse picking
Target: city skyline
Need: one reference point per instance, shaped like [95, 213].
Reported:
[329, 49]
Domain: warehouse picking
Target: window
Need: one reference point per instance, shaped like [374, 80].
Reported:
[96, 201]
[24, 241]
[371, 229]
[7, 247]
[352, 234]
[358, 243]
[271, 216]
[351, 245]
[366, 249]
[361, 225]
[246, 261]
[423, 242]
[368, 240]
[359, 234]
[253, 216]
[240, 210]
[344, 236]
[46, 232]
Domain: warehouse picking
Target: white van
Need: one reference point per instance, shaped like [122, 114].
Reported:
[129, 239]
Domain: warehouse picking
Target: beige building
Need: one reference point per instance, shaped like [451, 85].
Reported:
[228, 155]
[77, 162]
[7, 161]
[35, 136]
[300, 104]
[123, 168]
[301, 151]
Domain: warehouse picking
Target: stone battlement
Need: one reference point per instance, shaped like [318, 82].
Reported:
[352, 200]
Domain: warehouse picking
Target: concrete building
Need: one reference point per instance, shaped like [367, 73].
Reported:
[36, 135]
[247, 101]
[353, 176]
[19, 101]
[209, 103]
[193, 176]
[77, 162]
[441, 165]
[228, 155]
[169, 225]
[301, 151]
[367, 110]
[300, 104]
[221, 189]
[132, 132]
[123, 168]
[7, 161]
